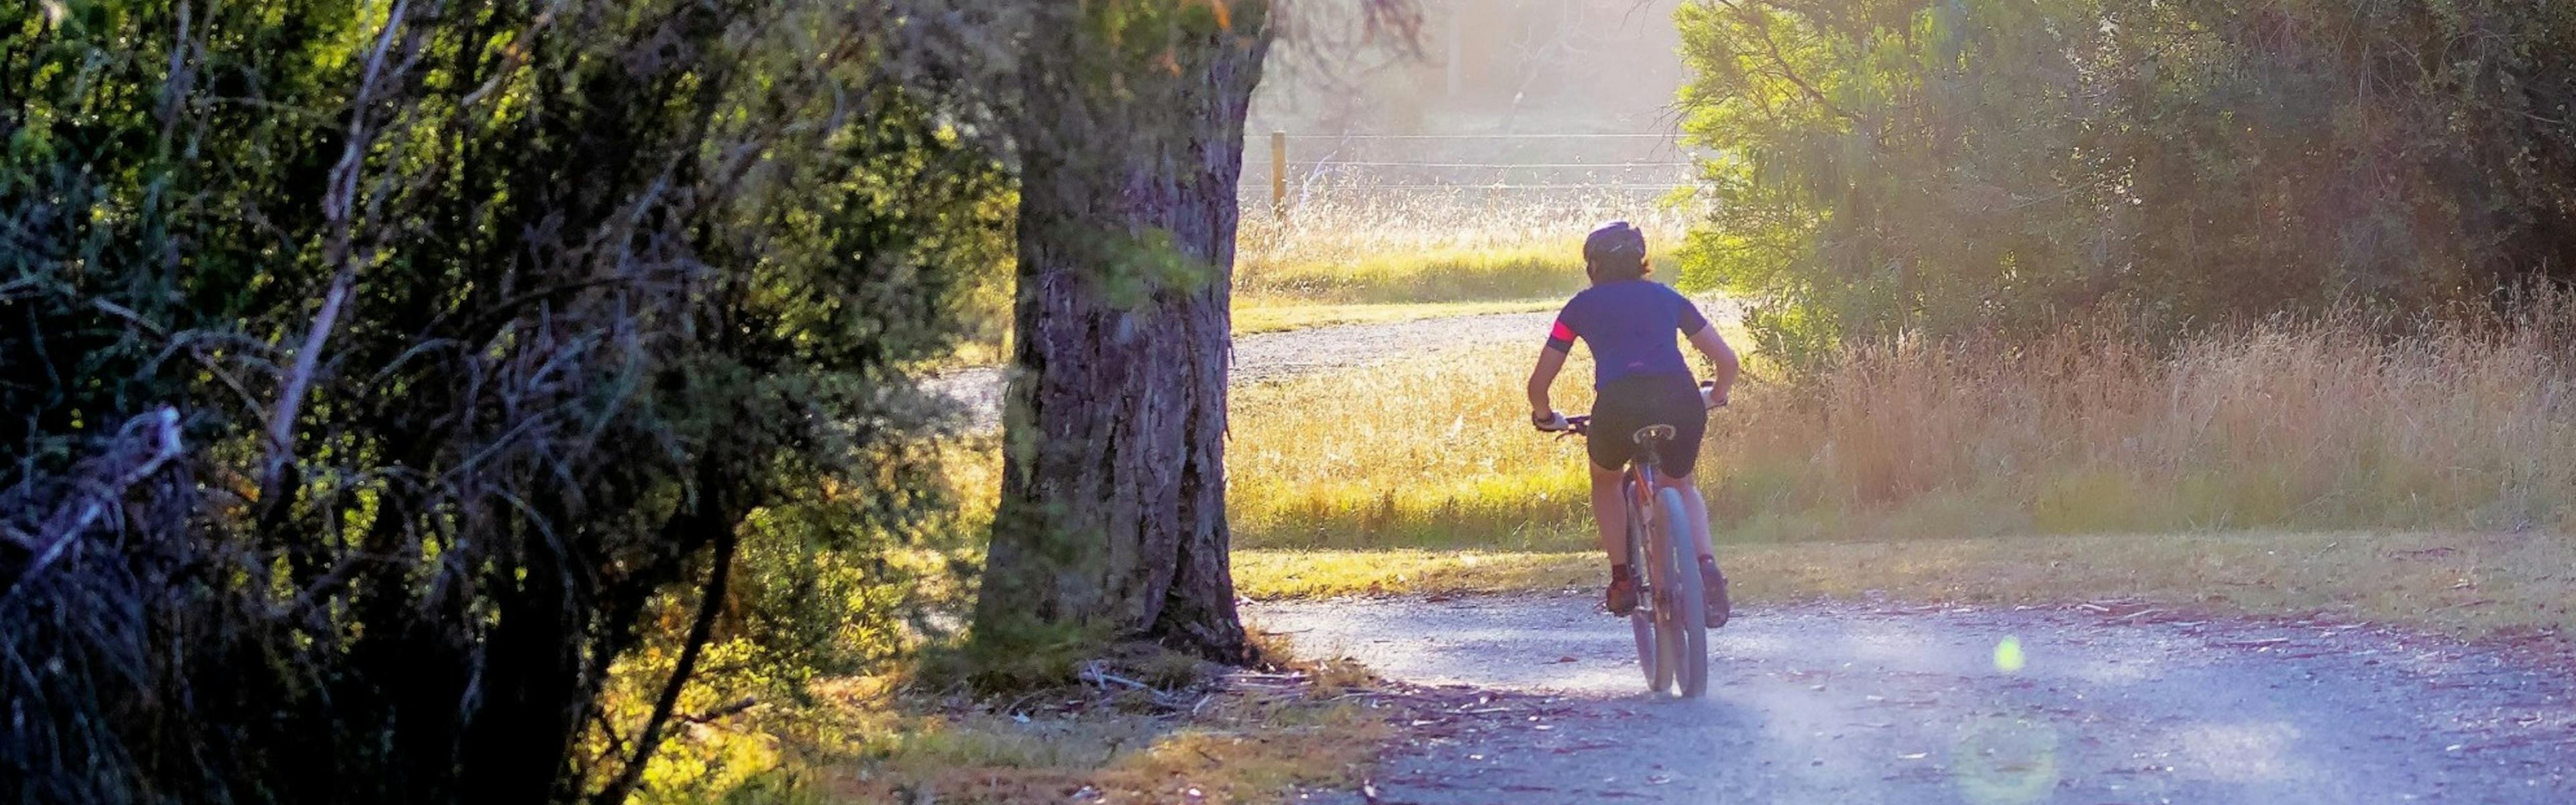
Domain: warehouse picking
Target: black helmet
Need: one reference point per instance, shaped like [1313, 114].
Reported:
[1616, 247]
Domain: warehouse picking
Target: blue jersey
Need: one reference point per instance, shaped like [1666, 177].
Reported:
[1629, 325]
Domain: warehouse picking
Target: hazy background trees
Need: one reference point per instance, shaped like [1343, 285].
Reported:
[1954, 166]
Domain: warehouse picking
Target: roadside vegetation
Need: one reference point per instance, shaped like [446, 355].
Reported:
[1944, 471]
[2324, 425]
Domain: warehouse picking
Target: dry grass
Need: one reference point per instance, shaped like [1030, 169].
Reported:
[2468, 584]
[1239, 748]
[1428, 453]
[1187, 740]
[2310, 426]
[1423, 453]
[2303, 427]
[1416, 248]
[2272, 465]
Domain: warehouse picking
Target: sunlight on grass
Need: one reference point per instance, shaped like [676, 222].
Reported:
[1415, 248]
[1421, 453]
[2467, 584]
[2313, 427]
[1432, 452]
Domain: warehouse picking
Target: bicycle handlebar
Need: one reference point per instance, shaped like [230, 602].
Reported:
[1581, 424]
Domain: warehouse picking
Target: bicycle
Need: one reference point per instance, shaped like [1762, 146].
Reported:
[1671, 618]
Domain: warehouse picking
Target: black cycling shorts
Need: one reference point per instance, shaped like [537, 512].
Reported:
[1636, 401]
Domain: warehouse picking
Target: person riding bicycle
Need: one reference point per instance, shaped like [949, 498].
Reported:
[1639, 379]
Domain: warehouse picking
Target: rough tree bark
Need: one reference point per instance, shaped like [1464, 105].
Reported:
[1112, 514]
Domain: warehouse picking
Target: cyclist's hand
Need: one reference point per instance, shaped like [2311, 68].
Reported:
[1710, 396]
[1553, 422]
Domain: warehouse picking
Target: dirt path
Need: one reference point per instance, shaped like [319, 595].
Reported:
[1843, 703]
[1274, 356]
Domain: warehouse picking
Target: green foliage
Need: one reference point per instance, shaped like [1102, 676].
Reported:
[493, 335]
[1958, 166]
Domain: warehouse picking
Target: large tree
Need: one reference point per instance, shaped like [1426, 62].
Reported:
[1112, 517]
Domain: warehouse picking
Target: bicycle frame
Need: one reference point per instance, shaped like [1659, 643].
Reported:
[1639, 481]
[1637, 484]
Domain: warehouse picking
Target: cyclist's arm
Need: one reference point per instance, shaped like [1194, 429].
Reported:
[1720, 356]
[1551, 360]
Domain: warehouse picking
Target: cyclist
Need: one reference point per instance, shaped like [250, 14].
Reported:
[1639, 379]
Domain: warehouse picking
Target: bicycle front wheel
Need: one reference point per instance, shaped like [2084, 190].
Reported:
[1653, 657]
[1689, 617]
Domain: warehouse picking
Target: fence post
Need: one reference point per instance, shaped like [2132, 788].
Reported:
[1279, 173]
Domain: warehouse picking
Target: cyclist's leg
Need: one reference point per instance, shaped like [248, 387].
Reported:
[1680, 407]
[1680, 457]
[1695, 508]
[1610, 509]
[1713, 579]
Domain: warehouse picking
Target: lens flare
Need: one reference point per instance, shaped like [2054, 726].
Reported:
[2005, 761]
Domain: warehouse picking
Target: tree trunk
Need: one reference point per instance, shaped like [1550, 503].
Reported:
[1112, 516]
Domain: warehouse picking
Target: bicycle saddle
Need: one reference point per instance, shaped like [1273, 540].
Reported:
[1657, 433]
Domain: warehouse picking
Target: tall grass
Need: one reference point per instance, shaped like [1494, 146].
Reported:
[1431, 247]
[2325, 424]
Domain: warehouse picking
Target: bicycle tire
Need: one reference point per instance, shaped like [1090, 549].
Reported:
[1653, 657]
[1690, 606]
[1643, 626]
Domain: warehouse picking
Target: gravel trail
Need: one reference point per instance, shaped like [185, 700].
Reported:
[1537, 699]
[1263, 357]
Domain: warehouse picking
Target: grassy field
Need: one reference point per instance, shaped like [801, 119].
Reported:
[2308, 427]
[2427, 480]
[1411, 249]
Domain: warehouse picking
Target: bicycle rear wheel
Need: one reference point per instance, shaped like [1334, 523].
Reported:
[1689, 617]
